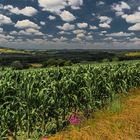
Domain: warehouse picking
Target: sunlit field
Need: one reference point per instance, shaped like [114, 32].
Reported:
[12, 51]
[133, 54]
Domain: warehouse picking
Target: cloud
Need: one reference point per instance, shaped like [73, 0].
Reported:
[52, 17]
[64, 32]
[92, 27]
[100, 3]
[5, 20]
[42, 23]
[26, 24]
[29, 31]
[108, 38]
[82, 25]
[121, 6]
[67, 16]
[76, 39]
[89, 37]
[75, 4]
[80, 35]
[56, 6]
[66, 27]
[6, 38]
[134, 39]
[103, 32]
[61, 39]
[79, 31]
[132, 18]
[105, 21]
[33, 31]
[27, 11]
[104, 25]
[120, 34]
[135, 27]
[1, 30]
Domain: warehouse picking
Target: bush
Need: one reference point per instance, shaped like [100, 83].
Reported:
[59, 62]
[68, 63]
[115, 59]
[18, 65]
[50, 62]
[105, 60]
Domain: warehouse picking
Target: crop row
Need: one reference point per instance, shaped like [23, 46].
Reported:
[38, 102]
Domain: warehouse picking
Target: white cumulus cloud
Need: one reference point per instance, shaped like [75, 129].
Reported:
[132, 18]
[120, 34]
[52, 17]
[5, 20]
[67, 16]
[27, 11]
[66, 27]
[92, 27]
[75, 4]
[82, 25]
[56, 6]
[121, 6]
[135, 27]
[104, 25]
[26, 24]
[105, 21]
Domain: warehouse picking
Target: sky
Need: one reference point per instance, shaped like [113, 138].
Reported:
[70, 24]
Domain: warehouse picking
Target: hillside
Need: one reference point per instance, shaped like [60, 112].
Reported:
[4, 50]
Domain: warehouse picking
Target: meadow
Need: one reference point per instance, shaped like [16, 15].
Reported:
[38, 102]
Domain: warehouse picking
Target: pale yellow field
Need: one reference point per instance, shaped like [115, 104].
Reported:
[132, 54]
[2, 50]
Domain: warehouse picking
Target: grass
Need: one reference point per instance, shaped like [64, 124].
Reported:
[119, 121]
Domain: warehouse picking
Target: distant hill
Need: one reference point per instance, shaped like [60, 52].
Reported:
[4, 50]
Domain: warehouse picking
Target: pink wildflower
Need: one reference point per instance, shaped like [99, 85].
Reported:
[74, 119]
[44, 138]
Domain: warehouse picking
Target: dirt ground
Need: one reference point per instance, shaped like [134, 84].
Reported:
[121, 121]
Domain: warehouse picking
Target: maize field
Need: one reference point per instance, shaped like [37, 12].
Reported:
[38, 102]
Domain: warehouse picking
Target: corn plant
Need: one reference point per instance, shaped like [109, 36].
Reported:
[38, 102]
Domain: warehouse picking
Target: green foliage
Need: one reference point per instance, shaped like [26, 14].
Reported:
[115, 59]
[50, 62]
[18, 65]
[105, 60]
[68, 63]
[39, 101]
[57, 62]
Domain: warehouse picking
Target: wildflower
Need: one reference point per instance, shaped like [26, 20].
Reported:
[44, 138]
[74, 119]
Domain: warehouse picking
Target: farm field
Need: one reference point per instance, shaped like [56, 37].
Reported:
[119, 120]
[132, 54]
[69, 69]
[37, 103]
[13, 51]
